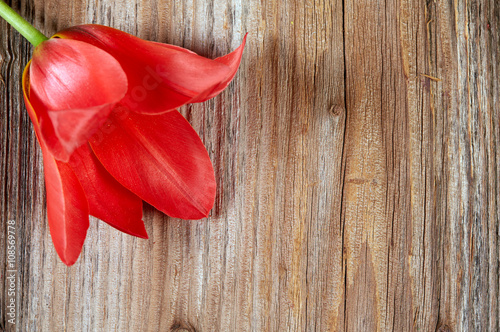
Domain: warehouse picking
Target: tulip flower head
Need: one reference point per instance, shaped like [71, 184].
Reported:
[103, 105]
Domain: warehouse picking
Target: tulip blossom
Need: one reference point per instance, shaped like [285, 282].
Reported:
[103, 105]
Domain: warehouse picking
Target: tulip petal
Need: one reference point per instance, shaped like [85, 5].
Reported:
[160, 78]
[67, 208]
[108, 200]
[74, 85]
[232, 60]
[168, 165]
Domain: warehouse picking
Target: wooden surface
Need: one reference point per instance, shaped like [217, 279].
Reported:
[357, 157]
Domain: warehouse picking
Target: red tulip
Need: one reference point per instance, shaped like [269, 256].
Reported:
[103, 104]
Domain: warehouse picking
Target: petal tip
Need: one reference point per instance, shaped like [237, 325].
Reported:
[143, 235]
[69, 261]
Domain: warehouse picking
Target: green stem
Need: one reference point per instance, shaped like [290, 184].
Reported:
[29, 32]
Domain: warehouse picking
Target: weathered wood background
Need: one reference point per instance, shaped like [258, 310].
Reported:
[357, 156]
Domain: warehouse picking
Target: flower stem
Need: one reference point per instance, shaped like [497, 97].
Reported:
[29, 32]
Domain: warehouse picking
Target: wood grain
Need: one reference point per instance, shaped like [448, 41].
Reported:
[356, 155]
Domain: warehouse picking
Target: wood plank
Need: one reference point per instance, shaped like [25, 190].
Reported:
[463, 48]
[388, 187]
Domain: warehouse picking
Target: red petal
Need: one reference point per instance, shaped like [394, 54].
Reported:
[67, 208]
[167, 164]
[108, 199]
[160, 78]
[74, 87]
[232, 60]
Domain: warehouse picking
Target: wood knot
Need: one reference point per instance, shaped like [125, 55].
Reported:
[181, 326]
[336, 110]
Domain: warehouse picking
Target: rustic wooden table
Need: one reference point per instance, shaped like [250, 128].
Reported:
[357, 161]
